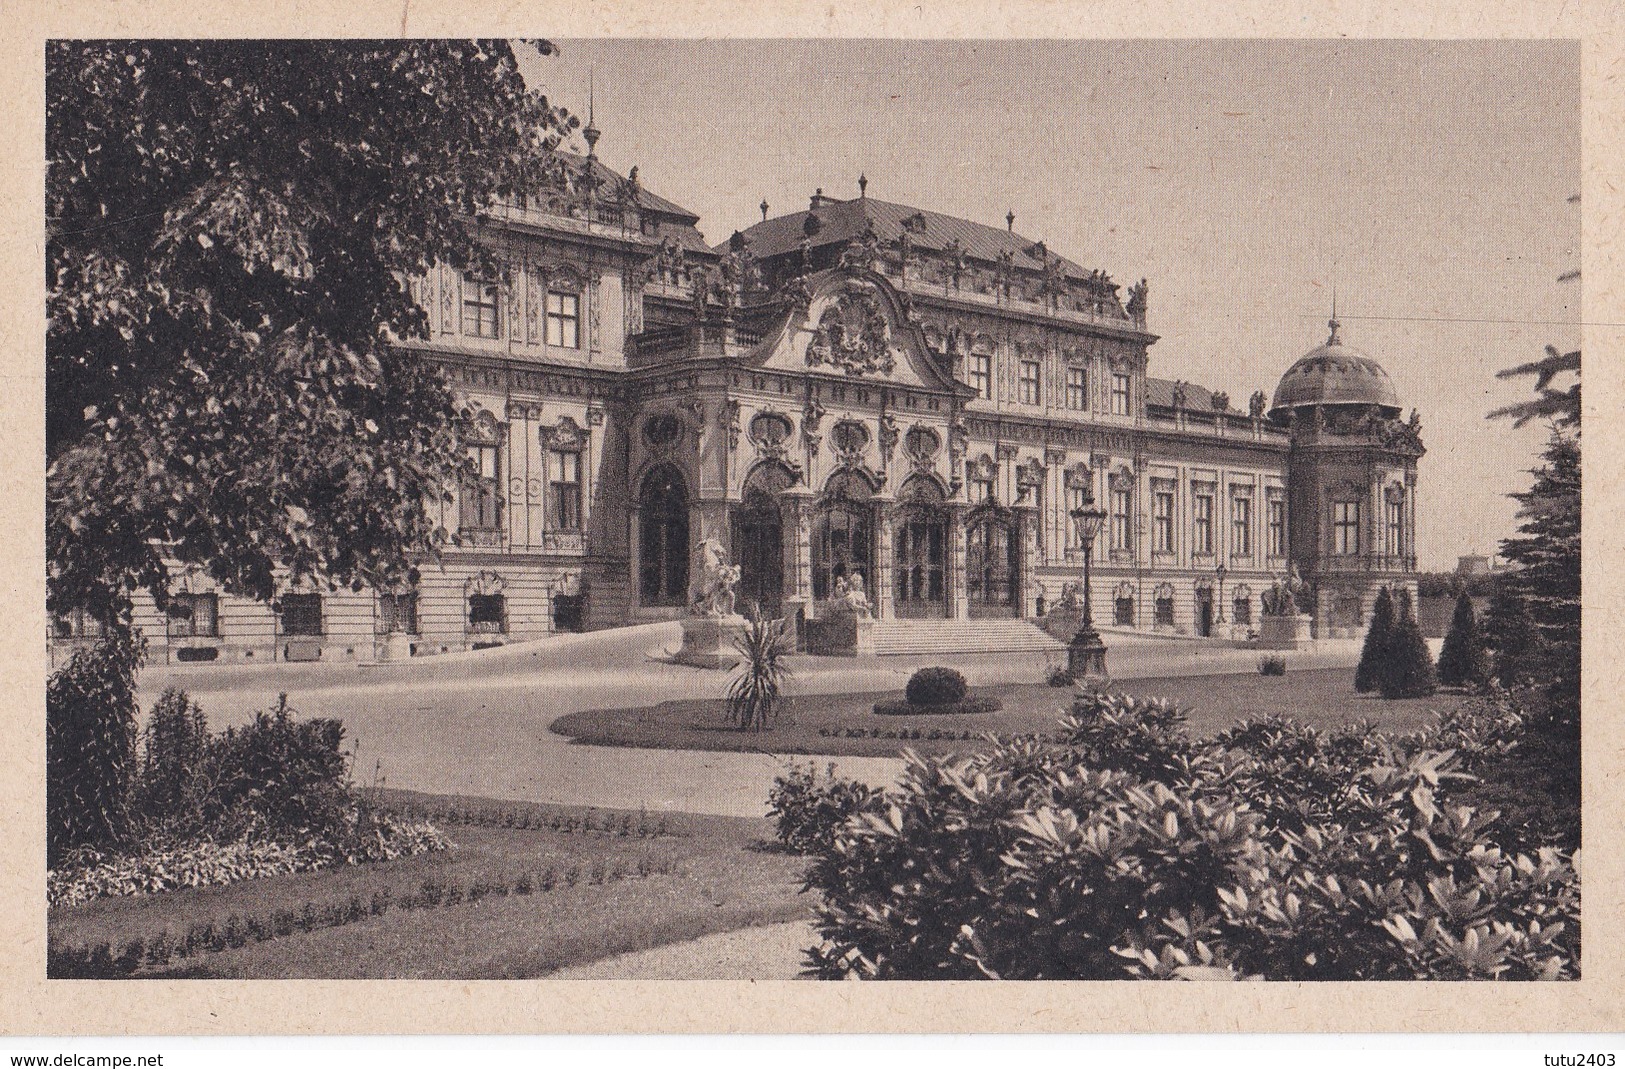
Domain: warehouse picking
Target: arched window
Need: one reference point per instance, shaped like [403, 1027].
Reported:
[663, 538]
[843, 534]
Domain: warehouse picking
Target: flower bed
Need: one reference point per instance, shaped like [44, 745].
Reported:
[970, 706]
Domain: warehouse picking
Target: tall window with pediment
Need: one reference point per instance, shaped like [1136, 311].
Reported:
[481, 499]
[482, 301]
[981, 375]
[1029, 376]
[1077, 388]
[1122, 514]
[1122, 404]
[1346, 528]
[563, 318]
[1202, 521]
[1162, 519]
[1241, 526]
[1277, 526]
[1394, 528]
[564, 487]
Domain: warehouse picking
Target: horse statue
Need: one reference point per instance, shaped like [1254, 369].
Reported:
[713, 590]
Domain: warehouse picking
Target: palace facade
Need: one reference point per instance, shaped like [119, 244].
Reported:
[858, 392]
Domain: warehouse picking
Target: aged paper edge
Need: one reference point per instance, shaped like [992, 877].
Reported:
[31, 1005]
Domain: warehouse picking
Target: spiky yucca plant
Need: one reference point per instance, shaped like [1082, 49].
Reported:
[755, 693]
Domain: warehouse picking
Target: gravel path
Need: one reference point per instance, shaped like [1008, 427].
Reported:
[769, 953]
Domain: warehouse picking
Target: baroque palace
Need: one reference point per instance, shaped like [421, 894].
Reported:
[858, 393]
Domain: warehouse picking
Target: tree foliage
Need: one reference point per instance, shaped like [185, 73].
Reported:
[1561, 406]
[1464, 660]
[1374, 654]
[90, 745]
[230, 230]
[1408, 672]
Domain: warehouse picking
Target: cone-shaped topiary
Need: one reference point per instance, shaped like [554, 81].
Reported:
[1374, 655]
[1464, 660]
[1409, 673]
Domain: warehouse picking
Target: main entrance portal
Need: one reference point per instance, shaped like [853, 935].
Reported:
[843, 537]
[992, 565]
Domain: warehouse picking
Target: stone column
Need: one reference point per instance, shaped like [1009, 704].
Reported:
[796, 515]
[958, 599]
[1026, 530]
[880, 583]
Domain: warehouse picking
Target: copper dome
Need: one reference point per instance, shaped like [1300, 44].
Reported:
[1335, 374]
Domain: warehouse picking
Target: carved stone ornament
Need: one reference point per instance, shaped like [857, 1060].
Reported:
[565, 434]
[484, 584]
[853, 335]
[888, 436]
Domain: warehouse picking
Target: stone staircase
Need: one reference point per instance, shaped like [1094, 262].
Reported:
[898, 638]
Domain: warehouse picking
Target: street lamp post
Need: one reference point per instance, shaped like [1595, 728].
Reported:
[1086, 653]
[1219, 572]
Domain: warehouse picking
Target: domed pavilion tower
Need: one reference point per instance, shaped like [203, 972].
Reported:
[1352, 479]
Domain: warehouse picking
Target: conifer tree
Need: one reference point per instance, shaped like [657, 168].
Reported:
[1518, 648]
[1408, 670]
[1464, 661]
[1374, 655]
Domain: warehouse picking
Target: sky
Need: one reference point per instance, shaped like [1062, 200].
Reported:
[1428, 182]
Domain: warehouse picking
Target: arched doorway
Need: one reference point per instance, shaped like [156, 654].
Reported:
[992, 563]
[758, 539]
[919, 551]
[843, 534]
[663, 538]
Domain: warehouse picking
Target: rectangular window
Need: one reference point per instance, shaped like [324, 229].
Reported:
[480, 304]
[1395, 542]
[981, 375]
[1277, 509]
[1077, 388]
[1123, 612]
[194, 616]
[1241, 527]
[398, 614]
[301, 614]
[78, 624]
[1122, 517]
[487, 614]
[564, 320]
[564, 473]
[480, 501]
[1165, 612]
[1346, 528]
[1029, 383]
[981, 490]
[1202, 526]
[1162, 521]
[1244, 610]
[1120, 395]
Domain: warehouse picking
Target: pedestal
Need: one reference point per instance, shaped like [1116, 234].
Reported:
[396, 646]
[1086, 658]
[1285, 632]
[841, 634]
[708, 641]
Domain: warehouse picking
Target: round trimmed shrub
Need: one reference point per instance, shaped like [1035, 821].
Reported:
[936, 686]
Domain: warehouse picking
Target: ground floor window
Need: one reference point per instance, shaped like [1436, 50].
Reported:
[301, 614]
[843, 544]
[1165, 611]
[1244, 610]
[398, 613]
[487, 614]
[194, 616]
[1123, 612]
[78, 623]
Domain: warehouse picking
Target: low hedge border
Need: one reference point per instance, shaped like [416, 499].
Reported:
[970, 706]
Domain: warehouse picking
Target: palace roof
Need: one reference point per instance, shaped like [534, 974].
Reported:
[841, 221]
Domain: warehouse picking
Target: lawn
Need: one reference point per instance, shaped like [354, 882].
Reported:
[846, 725]
[615, 882]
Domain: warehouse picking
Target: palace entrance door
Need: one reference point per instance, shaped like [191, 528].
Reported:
[992, 566]
[919, 548]
[843, 537]
[758, 550]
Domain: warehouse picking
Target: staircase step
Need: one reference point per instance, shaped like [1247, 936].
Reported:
[895, 638]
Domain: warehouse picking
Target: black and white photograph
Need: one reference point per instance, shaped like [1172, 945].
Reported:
[812, 509]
